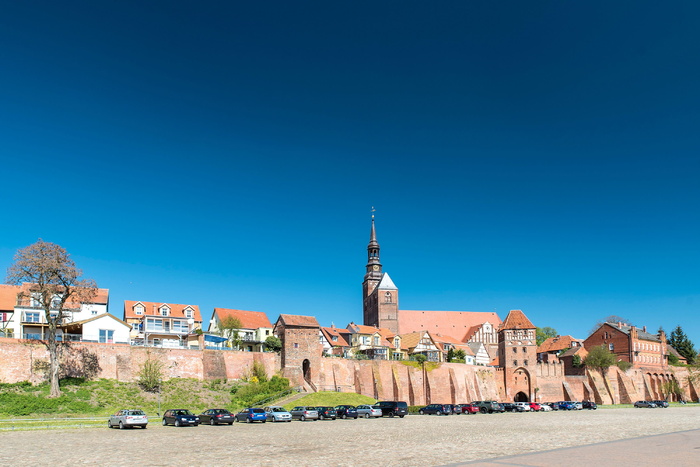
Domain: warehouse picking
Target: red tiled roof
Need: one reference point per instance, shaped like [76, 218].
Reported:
[457, 324]
[299, 320]
[341, 341]
[557, 344]
[8, 295]
[152, 309]
[248, 319]
[362, 329]
[516, 319]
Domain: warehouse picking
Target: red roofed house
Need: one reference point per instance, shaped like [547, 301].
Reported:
[335, 342]
[369, 341]
[255, 327]
[637, 346]
[549, 350]
[381, 309]
[447, 343]
[160, 324]
[21, 316]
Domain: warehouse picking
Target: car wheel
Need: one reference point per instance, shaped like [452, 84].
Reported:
[164, 422]
[320, 417]
[177, 422]
[212, 422]
[144, 427]
[343, 416]
[421, 412]
[302, 418]
[391, 414]
[264, 421]
[236, 419]
[121, 426]
[109, 423]
[401, 416]
[438, 413]
[230, 423]
[482, 410]
[248, 420]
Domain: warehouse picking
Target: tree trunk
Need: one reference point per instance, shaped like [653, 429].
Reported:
[53, 360]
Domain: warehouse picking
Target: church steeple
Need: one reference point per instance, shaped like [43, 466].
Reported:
[374, 266]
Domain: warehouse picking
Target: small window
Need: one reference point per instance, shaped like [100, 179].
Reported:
[107, 336]
[524, 349]
[515, 350]
[164, 311]
[515, 362]
[335, 338]
[296, 345]
[525, 363]
[611, 346]
[138, 310]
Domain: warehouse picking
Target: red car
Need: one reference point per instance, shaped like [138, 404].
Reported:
[535, 407]
[466, 408]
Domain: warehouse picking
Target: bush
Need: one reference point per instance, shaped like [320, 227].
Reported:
[252, 393]
[623, 365]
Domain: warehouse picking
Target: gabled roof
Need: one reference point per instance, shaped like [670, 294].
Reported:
[476, 346]
[386, 283]
[362, 329]
[582, 352]
[152, 309]
[248, 319]
[95, 318]
[516, 319]
[557, 344]
[457, 324]
[8, 296]
[641, 334]
[330, 333]
[299, 321]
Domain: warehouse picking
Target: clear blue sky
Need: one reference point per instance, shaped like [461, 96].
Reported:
[533, 155]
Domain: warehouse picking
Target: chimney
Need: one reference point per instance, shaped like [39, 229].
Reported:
[644, 328]
[619, 324]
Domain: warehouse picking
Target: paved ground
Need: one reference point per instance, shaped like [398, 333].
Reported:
[414, 440]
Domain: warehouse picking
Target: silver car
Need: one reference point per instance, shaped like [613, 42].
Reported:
[277, 414]
[128, 419]
[304, 413]
[368, 411]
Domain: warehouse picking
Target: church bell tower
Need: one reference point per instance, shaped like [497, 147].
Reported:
[380, 297]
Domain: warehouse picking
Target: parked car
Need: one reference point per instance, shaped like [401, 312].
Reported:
[552, 405]
[368, 411]
[511, 407]
[662, 404]
[545, 408]
[565, 405]
[589, 405]
[435, 409]
[647, 404]
[180, 417]
[467, 408]
[277, 414]
[304, 413]
[489, 406]
[393, 408]
[346, 411]
[525, 405]
[216, 417]
[578, 405]
[128, 419]
[452, 408]
[251, 415]
[326, 413]
[535, 407]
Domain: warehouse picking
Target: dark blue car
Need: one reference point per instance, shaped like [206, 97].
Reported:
[566, 405]
[180, 417]
[251, 415]
[346, 411]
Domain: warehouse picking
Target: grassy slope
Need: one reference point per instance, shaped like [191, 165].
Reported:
[331, 399]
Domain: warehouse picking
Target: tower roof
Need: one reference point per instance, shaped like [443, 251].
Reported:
[386, 283]
[373, 236]
[516, 319]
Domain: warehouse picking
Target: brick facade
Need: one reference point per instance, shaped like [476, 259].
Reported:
[629, 344]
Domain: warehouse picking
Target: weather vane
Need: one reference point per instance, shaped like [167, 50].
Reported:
[373, 212]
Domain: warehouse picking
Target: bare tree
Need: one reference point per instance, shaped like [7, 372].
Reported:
[54, 283]
[229, 328]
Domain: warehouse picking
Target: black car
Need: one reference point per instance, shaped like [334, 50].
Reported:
[346, 411]
[589, 405]
[180, 417]
[489, 406]
[216, 417]
[326, 413]
[510, 407]
[437, 409]
[393, 408]
[662, 404]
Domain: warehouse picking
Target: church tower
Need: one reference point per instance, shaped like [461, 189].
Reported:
[380, 297]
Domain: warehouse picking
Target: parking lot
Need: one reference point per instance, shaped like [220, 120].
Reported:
[414, 440]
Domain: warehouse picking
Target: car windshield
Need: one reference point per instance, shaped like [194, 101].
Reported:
[136, 412]
[278, 409]
[183, 412]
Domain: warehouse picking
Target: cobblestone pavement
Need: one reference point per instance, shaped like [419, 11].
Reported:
[414, 440]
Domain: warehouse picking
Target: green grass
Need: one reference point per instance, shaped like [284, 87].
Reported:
[331, 399]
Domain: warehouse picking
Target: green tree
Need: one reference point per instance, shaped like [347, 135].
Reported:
[456, 355]
[273, 343]
[151, 374]
[56, 287]
[542, 334]
[229, 327]
[679, 341]
[600, 358]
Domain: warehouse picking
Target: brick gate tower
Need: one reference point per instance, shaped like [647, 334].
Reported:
[380, 297]
[517, 354]
[301, 349]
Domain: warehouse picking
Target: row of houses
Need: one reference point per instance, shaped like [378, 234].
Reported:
[162, 324]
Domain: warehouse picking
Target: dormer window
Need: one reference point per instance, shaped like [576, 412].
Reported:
[188, 312]
[397, 342]
[164, 311]
[138, 310]
[335, 338]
